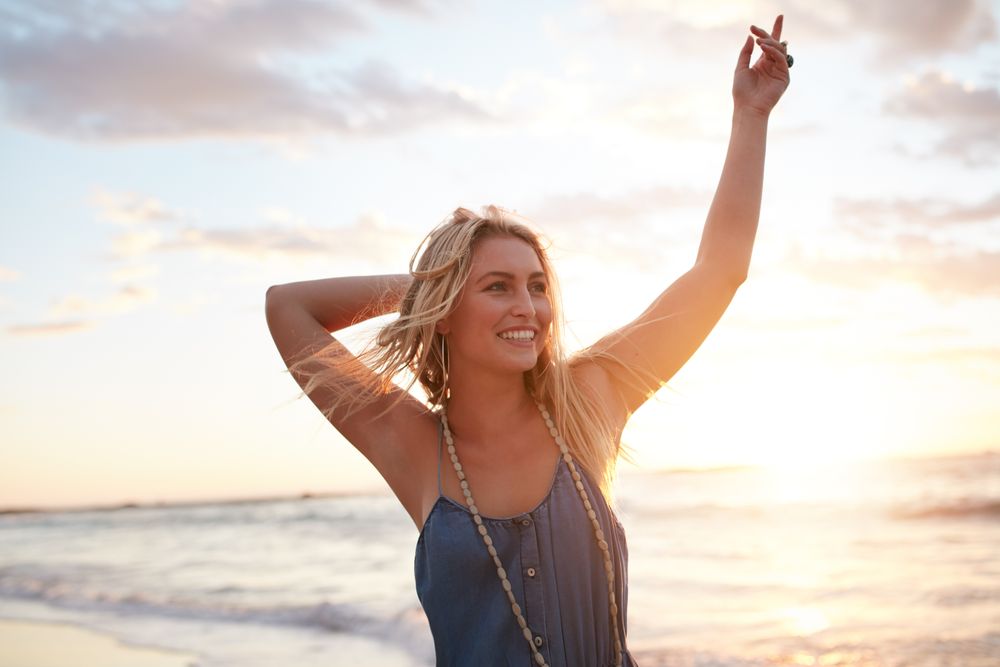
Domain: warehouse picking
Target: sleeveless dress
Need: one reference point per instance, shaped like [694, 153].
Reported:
[556, 571]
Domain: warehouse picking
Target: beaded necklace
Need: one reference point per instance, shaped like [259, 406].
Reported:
[598, 533]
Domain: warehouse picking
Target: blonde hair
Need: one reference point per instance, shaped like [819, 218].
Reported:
[411, 344]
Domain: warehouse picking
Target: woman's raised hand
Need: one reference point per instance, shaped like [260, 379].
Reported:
[759, 88]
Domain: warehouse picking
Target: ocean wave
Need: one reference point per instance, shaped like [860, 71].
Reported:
[405, 627]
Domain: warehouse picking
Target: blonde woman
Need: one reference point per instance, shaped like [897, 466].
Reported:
[506, 467]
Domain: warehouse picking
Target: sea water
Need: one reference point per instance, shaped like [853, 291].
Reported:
[875, 564]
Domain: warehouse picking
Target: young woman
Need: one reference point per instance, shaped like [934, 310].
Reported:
[506, 469]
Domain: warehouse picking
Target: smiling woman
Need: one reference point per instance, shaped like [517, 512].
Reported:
[505, 298]
[526, 523]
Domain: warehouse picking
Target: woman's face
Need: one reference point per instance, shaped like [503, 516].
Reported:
[501, 323]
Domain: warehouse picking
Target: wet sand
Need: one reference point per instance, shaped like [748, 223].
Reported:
[32, 644]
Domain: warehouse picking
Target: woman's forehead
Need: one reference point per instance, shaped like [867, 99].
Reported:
[504, 253]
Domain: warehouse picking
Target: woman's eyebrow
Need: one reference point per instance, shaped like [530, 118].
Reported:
[508, 276]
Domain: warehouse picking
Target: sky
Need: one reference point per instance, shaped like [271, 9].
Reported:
[165, 162]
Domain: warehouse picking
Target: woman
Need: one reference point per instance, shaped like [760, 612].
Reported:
[520, 558]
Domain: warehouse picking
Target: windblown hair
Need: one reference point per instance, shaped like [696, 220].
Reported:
[409, 345]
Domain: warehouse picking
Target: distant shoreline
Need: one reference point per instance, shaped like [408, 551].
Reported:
[308, 495]
[130, 505]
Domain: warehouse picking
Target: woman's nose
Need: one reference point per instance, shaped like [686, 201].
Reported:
[523, 304]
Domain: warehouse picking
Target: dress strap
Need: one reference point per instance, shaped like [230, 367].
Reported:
[440, 447]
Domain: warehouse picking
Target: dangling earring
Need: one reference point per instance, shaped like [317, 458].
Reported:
[445, 391]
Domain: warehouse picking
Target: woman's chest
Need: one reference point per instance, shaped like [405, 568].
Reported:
[503, 489]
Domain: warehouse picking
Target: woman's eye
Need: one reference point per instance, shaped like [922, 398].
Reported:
[540, 287]
[496, 286]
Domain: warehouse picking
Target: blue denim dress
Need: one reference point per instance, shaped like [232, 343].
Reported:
[554, 566]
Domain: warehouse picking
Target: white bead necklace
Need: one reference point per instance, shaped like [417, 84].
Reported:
[598, 533]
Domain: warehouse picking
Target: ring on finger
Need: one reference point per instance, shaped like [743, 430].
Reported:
[788, 56]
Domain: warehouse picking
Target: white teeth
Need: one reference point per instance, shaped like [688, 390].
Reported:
[518, 335]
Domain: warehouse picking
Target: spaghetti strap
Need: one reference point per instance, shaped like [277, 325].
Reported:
[440, 441]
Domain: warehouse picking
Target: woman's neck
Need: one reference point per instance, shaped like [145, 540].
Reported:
[486, 410]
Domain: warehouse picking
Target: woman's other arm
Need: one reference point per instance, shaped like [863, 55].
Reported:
[636, 360]
[301, 316]
[337, 303]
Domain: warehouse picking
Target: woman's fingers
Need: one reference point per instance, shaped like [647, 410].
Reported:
[770, 42]
[775, 34]
[775, 54]
[743, 61]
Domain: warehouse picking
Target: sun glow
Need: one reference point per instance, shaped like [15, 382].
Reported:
[805, 620]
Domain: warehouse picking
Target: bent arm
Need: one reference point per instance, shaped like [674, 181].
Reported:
[391, 429]
[337, 303]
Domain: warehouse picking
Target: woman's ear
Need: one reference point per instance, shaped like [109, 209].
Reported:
[441, 326]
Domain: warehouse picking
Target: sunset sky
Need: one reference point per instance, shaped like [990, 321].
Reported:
[165, 162]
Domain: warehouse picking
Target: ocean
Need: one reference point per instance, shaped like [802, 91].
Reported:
[873, 564]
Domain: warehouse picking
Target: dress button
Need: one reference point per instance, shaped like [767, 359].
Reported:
[538, 640]
[525, 522]
[531, 571]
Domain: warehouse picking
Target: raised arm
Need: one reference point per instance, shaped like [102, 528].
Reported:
[627, 366]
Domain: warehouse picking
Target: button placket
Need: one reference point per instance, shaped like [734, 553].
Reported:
[534, 601]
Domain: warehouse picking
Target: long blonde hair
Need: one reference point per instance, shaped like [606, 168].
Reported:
[410, 345]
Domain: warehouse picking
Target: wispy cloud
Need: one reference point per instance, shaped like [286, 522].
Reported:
[100, 72]
[900, 32]
[123, 300]
[968, 116]
[918, 214]
[939, 269]
[368, 238]
[48, 328]
[620, 228]
[905, 32]
[563, 209]
[131, 209]
[140, 216]
[9, 275]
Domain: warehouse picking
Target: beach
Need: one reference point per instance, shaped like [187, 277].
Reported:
[882, 564]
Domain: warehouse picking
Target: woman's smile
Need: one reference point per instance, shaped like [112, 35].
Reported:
[518, 337]
[507, 295]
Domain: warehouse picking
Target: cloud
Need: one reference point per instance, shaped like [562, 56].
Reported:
[127, 298]
[137, 214]
[134, 273]
[48, 328]
[906, 31]
[937, 268]
[975, 355]
[901, 32]
[645, 202]
[969, 116]
[869, 216]
[219, 69]
[620, 228]
[135, 244]
[131, 209]
[369, 238]
[282, 235]
[9, 275]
